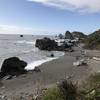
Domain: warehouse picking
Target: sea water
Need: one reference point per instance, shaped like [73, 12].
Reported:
[24, 48]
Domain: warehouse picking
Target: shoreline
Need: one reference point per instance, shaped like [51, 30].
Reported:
[38, 63]
[51, 73]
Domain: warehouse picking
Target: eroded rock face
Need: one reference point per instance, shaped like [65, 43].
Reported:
[46, 44]
[13, 66]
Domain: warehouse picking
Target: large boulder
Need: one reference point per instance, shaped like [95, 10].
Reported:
[46, 44]
[13, 66]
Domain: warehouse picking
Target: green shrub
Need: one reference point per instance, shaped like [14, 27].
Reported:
[52, 94]
[68, 90]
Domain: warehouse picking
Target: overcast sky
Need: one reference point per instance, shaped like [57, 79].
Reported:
[49, 16]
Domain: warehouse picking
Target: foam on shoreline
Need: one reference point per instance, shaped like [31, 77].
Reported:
[34, 64]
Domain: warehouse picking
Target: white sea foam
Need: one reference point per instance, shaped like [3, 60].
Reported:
[34, 64]
[26, 42]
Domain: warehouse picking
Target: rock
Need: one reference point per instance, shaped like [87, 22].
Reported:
[36, 69]
[46, 44]
[63, 47]
[21, 35]
[68, 35]
[61, 36]
[52, 55]
[13, 66]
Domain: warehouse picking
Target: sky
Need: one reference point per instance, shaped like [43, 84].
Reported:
[49, 16]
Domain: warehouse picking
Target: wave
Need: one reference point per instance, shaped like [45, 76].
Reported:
[26, 42]
[34, 64]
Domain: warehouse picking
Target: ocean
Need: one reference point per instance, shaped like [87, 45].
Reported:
[24, 48]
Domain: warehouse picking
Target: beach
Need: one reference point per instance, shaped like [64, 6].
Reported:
[51, 73]
[53, 70]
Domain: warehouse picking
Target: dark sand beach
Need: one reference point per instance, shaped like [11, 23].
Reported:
[51, 73]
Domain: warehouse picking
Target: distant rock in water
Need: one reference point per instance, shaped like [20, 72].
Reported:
[21, 35]
[13, 66]
[52, 55]
[46, 44]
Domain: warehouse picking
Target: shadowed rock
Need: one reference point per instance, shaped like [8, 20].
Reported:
[68, 35]
[46, 44]
[12, 66]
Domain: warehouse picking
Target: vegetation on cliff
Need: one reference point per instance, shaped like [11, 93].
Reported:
[93, 40]
[68, 91]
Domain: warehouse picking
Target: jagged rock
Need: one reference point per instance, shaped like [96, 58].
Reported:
[46, 44]
[61, 36]
[68, 35]
[13, 66]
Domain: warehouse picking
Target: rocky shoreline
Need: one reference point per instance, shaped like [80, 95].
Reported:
[52, 72]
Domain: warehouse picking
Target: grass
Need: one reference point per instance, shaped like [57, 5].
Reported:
[63, 91]
[52, 94]
[66, 90]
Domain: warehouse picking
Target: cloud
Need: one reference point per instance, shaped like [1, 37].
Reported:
[85, 6]
[11, 29]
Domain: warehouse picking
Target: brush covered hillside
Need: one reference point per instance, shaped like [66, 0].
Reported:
[72, 35]
[93, 40]
[79, 35]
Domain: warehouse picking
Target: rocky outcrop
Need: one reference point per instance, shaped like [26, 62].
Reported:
[68, 35]
[46, 44]
[51, 45]
[13, 66]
